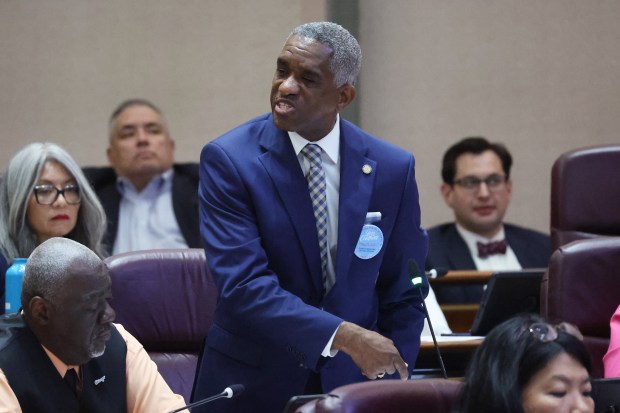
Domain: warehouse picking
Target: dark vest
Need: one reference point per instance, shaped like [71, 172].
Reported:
[38, 386]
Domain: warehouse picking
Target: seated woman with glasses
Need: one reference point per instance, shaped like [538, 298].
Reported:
[44, 194]
[528, 365]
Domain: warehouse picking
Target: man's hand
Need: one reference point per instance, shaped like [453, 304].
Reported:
[374, 354]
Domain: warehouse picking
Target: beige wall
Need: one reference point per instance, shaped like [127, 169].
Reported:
[65, 64]
[538, 75]
[542, 76]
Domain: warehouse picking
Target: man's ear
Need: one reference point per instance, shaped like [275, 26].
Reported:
[110, 156]
[446, 193]
[347, 94]
[38, 310]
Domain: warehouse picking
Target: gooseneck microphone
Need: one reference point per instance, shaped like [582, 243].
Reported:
[416, 279]
[229, 392]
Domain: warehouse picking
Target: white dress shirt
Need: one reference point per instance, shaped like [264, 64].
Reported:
[495, 262]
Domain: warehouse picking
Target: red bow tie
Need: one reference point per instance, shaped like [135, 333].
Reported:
[492, 248]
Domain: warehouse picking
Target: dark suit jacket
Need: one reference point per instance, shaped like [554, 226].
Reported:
[272, 320]
[184, 200]
[448, 250]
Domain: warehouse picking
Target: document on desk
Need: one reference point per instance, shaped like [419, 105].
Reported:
[450, 338]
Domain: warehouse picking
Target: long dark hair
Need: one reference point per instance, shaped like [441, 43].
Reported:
[506, 361]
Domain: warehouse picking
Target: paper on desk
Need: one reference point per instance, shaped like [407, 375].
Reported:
[447, 339]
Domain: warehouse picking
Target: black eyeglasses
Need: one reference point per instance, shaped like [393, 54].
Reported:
[48, 194]
[493, 182]
[546, 332]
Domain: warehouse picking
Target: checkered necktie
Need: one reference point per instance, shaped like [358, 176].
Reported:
[318, 194]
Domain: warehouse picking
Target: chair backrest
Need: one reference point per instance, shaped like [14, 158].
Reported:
[581, 287]
[585, 194]
[166, 299]
[394, 396]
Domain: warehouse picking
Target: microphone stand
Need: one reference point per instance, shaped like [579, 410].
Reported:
[417, 281]
[228, 392]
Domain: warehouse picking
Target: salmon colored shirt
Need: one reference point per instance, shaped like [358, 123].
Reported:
[147, 392]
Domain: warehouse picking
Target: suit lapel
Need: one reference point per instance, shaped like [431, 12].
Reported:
[283, 167]
[185, 207]
[520, 247]
[111, 203]
[458, 252]
[355, 193]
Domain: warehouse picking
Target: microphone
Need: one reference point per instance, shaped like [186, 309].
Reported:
[416, 279]
[435, 272]
[229, 392]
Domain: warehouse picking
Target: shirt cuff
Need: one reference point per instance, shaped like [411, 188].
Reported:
[327, 351]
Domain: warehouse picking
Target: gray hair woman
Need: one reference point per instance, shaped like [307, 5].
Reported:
[32, 209]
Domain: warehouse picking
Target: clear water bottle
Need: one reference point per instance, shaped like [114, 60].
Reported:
[14, 277]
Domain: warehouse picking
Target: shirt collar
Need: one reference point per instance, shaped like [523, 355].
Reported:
[471, 238]
[59, 364]
[330, 143]
[124, 185]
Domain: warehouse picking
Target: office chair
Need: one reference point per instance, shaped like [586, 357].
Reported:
[585, 194]
[580, 286]
[166, 299]
[394, 396]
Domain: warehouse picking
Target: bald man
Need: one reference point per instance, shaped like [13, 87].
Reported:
[62, 353]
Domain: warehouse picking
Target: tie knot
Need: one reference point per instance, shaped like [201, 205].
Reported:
[312, 152]
[492, 248]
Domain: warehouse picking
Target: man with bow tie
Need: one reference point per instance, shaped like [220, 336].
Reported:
[477, 186]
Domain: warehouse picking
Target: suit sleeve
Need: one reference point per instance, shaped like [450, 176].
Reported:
[252, 303]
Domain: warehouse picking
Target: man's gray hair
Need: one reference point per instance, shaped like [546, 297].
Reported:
[346, 59]
[50, 263]
[16, 237]
[128, 104]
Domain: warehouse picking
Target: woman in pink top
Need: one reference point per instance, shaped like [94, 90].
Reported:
[612, 358]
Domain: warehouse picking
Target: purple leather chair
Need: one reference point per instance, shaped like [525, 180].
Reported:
[581, 287]
[394, 396]
[166, 299]
[585, 194]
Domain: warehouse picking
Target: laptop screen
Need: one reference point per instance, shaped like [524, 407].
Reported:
[606, 395]
[507, 294]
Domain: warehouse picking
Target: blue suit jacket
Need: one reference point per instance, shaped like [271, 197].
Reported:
[448, 250]
[272, 320]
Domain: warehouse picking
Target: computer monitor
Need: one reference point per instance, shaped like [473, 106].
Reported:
[507, 294]
[606, 395]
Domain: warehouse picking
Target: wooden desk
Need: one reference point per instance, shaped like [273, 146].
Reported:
[455, 356]
[461, 346]
[461, 316]
[463, 277]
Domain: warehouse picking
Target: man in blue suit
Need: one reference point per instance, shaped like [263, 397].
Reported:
[314, 292]
[477, 186]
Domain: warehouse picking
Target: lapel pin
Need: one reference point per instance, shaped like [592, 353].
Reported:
[366, 169]
[101, 380]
